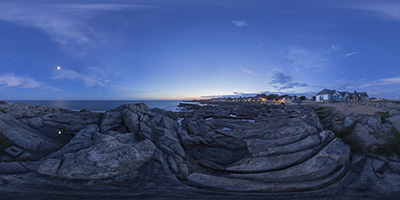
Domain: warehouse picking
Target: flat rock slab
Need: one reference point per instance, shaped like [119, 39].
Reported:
[109, 156]
[12, 168]
[243, 185]
[325, 162]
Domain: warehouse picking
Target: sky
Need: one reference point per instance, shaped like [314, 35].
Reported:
[183, 49]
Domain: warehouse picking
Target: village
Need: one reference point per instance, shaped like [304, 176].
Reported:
[325, 95]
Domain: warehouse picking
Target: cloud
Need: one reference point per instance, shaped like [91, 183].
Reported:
[281, 81]
[363, 83]
[302, 58]
[239, 94]
[386, 9]
[73, 26]
[345, 84]
[382, 82]
[335, 47]
[12, 80]
[248, 71]
[95, 77]
[386, 87]
[350, 54]
[389, 81]
[12, 57]
[240, 23]
[234, 95]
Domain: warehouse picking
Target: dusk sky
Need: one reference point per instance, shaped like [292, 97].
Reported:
[180, 49]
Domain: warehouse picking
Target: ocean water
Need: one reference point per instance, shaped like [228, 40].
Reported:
[101, 106]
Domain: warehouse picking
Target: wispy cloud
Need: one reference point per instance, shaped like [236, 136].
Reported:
[383, 82]
[73, 26]
[240, 23]
[281, 81]
[12, 57]
[335, 47]
[389, 81]
[386, 9]
[12, 80]
[302, 58]
[345, 84]
[350, 54]
[248, 71]
[94, 76]
[386, 87]
[233, 95]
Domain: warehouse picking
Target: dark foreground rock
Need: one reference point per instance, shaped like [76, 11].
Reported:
[371, 129]
[224, 151]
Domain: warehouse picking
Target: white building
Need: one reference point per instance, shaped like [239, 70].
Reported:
[333, 95]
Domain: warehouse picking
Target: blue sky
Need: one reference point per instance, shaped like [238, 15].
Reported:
[178, 49]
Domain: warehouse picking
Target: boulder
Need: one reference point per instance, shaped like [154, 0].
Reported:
[378, 166]
[395, 121]
[24, 136]
[348, 122]
[363, 132]
[49, 167]
[35, 122]
[83, 139]
[111, 120]
[394, 112]
[112, 154]
[374, 122]
[394, 167]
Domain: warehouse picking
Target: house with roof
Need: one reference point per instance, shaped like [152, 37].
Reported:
[329, 95]
[287, 100]
[333, 95]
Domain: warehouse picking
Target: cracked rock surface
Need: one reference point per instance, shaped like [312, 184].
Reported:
[208, 151]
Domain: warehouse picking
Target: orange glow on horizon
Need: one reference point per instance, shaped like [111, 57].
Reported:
[174, 98]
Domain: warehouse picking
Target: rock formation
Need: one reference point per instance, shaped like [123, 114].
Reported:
[222, 147]
[375, 134]
[282, 149]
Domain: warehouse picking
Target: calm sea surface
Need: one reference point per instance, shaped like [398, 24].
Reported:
[101, 106]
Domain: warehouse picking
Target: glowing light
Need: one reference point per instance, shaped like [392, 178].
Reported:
[59, 132]
[58, 68]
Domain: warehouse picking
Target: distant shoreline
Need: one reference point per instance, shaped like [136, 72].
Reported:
[98, 105]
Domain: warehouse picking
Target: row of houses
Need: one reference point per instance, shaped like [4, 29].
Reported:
[278, 100]
[333, 95]
[275, 99]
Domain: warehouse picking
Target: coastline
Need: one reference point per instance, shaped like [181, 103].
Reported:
[184, 156]
[98, 105]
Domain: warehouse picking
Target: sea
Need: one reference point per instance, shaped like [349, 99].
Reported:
[100, 105]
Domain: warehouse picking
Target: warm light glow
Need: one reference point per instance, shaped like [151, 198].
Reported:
[58, 67]
[59, 132]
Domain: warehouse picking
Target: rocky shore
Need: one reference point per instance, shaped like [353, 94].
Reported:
[223, 150]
